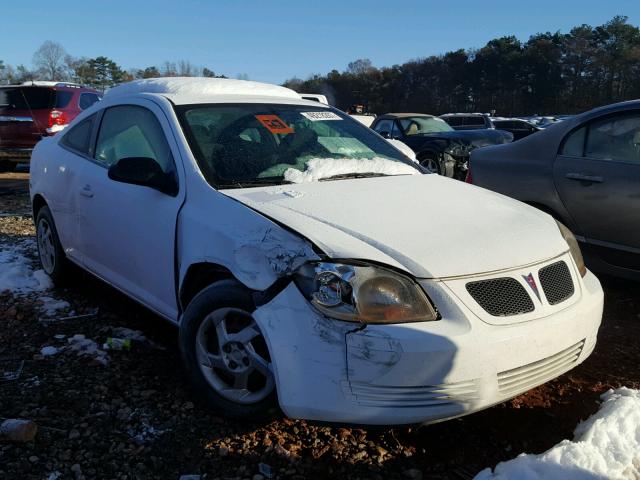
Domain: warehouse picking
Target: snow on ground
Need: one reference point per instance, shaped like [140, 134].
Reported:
[86, 347]
[319, 168]
[605, 446]
[51, 306]
[16, 271]
[18, 275]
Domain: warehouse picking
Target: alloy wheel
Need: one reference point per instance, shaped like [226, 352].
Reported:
[233, 356]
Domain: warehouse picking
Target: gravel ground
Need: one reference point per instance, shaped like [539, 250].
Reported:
[136, 418]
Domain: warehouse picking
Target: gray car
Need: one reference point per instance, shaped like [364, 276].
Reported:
[585, 171]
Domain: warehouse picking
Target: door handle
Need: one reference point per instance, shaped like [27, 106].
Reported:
[582, 177]
[86, 191]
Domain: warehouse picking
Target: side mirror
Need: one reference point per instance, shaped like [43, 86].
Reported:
[385, 134]
[143, 171]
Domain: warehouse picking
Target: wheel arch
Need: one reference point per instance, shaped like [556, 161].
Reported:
[37, 203]
[198, 277]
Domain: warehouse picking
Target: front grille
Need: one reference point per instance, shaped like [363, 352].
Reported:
[501, 297]
[448, 394]
[556, 282]
[518, 380]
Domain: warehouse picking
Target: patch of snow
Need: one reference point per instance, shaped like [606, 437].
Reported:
[17, 273]
[199, 86]
[319, 168]
[59, 336]
[606, 445]
[86, 347]
[48, 351]
[54, 475]
[50, 306]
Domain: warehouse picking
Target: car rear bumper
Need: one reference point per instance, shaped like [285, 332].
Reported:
[415, 373]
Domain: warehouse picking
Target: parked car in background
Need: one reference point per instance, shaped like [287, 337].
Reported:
[438, 147]
[36, 109]
[585, 171]
[275, 232]
[468, 121]
[519, 128]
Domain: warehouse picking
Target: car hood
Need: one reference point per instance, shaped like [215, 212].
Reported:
[427, 225]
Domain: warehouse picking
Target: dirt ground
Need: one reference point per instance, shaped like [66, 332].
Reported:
[136, 417]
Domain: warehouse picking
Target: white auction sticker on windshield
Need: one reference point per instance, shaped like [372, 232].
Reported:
[318, 116]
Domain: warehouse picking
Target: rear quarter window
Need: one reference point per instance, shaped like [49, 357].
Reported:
[87, 99]
[79, 137]
[63, 98]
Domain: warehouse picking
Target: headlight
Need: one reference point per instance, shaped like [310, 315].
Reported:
[574, 248]
[363, 293]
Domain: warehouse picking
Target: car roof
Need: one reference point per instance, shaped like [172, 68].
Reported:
[403, 115]
[190, 90]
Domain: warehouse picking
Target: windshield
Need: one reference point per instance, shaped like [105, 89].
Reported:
[423, 125]
[246, 144]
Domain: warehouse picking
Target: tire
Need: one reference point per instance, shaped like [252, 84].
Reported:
[50, 252]
[218, 369]
[429, 161]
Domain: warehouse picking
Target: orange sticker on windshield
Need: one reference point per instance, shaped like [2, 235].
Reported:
[274, 124]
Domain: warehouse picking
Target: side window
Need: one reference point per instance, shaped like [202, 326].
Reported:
[453, 121]
[384, 126]
[132, 131]
[87, 99]
[397, 131]
[615, 138]
[63, 98]
[573, 145]
[79, 137]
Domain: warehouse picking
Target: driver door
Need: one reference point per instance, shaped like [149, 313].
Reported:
[128, 231]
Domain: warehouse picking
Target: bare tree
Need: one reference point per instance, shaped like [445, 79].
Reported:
[49, 59]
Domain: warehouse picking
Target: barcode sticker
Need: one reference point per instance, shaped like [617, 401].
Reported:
[319, 116]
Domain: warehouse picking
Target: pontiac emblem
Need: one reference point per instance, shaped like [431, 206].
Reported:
[532, 284]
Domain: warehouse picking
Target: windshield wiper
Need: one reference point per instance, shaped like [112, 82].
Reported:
[254, 182]
[354, 175]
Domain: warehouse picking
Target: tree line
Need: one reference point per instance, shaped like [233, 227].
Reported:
[52, 62]
[550, 73]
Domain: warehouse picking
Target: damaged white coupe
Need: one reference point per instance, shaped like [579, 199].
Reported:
[308, 263]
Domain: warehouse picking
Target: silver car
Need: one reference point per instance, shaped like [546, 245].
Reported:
[584, 171]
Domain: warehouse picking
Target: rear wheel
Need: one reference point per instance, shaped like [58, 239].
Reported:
[52, 257]
[225, 352]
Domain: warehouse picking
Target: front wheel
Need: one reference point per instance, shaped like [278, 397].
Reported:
[225, 353]
[430, 162]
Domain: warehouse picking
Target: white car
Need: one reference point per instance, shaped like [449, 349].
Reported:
[306, 261]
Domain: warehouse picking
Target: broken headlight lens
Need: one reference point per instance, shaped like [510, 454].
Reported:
[363, 293]
[574, 248]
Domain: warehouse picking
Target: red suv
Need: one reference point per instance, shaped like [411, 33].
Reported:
[36, 109]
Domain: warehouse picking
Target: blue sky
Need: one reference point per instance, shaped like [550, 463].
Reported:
[278, 39]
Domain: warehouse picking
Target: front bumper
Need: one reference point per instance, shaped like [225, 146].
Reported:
[424, 372]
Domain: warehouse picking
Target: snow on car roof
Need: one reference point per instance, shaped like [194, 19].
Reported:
[195, 87]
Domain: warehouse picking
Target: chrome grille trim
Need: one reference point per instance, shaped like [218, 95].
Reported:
[556, 282]
[528, 376]
[413, 397]
[501, 297]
